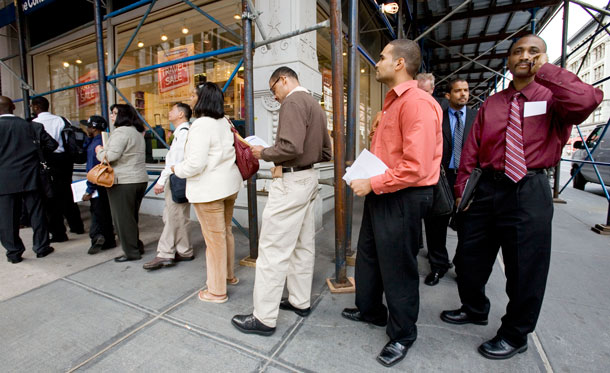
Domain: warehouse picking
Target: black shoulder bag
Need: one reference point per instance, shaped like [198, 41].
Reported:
[442, 203]
[44, 172]
[178, 186]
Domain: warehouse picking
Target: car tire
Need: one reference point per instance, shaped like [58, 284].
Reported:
[579, 182]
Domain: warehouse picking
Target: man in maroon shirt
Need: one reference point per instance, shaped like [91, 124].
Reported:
[517, 135]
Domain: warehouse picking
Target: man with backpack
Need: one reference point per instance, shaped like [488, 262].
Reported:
[61, 164]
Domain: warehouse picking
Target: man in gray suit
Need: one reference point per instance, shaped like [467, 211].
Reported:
[457, 121]
[19, 172]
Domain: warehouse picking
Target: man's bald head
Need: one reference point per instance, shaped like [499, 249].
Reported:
[522, 39]
[6, 105]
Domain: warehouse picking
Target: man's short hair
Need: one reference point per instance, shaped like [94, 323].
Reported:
[284, 71]
[422, 77]
[527, 36]
[409, 51]
[452, 83]
[41, 102]
[185, 109]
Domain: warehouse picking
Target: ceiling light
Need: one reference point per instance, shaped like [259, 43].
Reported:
[237, 16]
[185, 30]
[345, 53]
[390, 8]
[163, 37]
[66, 64]
[362, 71]
[78, 61]
[140, 44]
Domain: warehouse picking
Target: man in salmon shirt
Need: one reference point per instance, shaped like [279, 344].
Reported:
[409, 140]
[518, 134]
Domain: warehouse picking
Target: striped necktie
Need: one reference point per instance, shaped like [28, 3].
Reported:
[458, 139]
[514, 166]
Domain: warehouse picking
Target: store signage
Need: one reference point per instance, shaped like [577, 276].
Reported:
[87, 94]
[30, 6]
[175, 81]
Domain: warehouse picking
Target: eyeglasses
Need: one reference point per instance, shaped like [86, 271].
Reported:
[273, 86]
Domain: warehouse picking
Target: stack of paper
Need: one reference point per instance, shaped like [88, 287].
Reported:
[365, 166]
[79, 188]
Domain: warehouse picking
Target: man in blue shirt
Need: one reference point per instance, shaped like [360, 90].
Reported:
[457, 121]
[101, 231]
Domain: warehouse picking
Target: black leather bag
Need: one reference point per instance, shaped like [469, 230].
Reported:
[44, 172]
[178, 188]
[442, 203]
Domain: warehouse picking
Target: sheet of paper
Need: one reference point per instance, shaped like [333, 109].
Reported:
[534, 108]
[255, 140]
[79, 188]
[365, 166]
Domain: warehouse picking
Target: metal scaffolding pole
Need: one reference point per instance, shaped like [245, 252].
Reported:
[101, 68]
[19, 19]
[564, 56]
[249, 101]
[431, 28]
[340, 282]
[585, 5]
[353, 95]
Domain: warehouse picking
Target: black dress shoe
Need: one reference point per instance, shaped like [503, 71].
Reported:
[460, 317]
[498, 348]
[96, 245]
[44, 252]
[285, 305]
[123, 258]
[392, 353]
[141, 247]
[250, 325]
[433, 278]
[354, 314]
[59, 238]
[15, 260]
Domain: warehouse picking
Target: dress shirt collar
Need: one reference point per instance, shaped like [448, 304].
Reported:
[298, 89]
[527, 91]
[404, 86]
[6, 115]
[181, 126]
[452, 111]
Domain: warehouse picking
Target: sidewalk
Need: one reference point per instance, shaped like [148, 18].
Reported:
[73, 311]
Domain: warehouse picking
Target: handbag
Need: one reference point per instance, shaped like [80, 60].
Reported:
[44, 172]
[246, 162]
[178, 187]
[442, 203]
[101, 174]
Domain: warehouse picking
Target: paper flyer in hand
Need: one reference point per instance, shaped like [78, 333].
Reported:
[365, 166]
[79, 188]
[255, 140]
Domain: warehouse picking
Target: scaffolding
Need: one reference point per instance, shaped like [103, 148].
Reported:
[344, 129]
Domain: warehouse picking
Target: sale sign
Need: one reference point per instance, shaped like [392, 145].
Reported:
[87, 94]
[175, 81]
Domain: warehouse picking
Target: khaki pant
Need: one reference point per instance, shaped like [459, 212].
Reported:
[286, 249]
[175, 235]
[215, 219]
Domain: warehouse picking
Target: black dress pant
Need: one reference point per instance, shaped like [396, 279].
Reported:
[516, 217]
[62, 203]
[436, 236]
[387, 259]
[101, 217]
[125, 201]
[10, 211]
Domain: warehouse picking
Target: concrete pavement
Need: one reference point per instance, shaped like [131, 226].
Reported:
[71, 311]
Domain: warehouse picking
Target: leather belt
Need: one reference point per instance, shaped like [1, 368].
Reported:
[295, 169]
[499, 175]
[453, 171]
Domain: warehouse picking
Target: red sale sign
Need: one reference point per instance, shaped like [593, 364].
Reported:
[87, 94]
[175, 80]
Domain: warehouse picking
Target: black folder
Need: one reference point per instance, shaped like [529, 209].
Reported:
[469, 189]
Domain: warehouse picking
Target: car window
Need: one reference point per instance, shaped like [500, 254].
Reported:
[594, 137]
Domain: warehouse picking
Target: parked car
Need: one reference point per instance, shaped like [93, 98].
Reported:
[601, 154]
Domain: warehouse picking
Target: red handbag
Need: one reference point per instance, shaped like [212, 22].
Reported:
[246, 162]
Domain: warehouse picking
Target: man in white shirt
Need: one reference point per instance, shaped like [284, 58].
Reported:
[174, 244]
[62, 204]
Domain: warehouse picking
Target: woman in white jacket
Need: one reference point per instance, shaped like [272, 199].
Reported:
[212, 183]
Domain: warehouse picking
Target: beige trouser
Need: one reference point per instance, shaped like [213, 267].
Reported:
[286, 248]
[215, 219]
[175, 235]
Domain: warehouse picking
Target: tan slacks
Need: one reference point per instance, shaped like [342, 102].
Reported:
[215, 219]
[286, 248]
[175, 235]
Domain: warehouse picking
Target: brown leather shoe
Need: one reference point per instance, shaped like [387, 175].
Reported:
[158, 263]
[180, 258]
